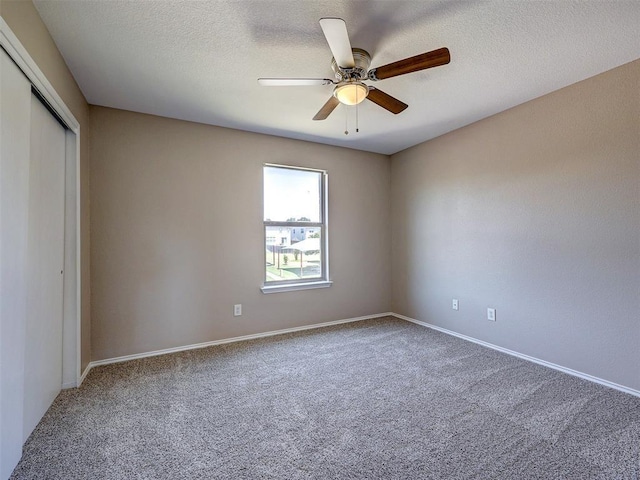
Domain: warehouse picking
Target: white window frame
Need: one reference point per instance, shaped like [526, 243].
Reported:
[302, 284]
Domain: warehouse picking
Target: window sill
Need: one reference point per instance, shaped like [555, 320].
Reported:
[296, 286]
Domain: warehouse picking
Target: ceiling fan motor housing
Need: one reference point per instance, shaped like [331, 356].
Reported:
[362, 60]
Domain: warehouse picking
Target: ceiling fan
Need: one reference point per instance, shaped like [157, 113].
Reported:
[351, 67]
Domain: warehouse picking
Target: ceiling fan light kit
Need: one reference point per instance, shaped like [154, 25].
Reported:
[351, 69]
[351, 93]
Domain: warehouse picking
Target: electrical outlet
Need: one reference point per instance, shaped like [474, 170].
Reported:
[454, 304]
[491, 314]
[237, 310]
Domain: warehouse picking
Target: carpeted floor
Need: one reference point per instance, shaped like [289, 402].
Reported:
[374, 399]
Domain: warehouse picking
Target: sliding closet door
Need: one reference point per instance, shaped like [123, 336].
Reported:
[45, 262]
[15, 112]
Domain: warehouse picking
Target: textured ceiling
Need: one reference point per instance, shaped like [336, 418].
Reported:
[199, 60]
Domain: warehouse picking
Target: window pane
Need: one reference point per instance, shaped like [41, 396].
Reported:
[291, 195]
[291, 257]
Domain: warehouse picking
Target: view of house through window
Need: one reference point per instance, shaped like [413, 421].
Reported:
[294, 224]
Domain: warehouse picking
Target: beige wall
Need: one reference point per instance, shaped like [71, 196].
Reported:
[177, 238]
[536, 212]
[24, 21]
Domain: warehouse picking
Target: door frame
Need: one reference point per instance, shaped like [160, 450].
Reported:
[71, 348]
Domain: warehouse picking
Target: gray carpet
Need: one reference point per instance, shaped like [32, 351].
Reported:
[375, 399]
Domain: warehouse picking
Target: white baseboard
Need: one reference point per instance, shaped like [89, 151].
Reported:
[68, 385]
[84, 374]
[529, 358]
[575, 373]
[166, 351]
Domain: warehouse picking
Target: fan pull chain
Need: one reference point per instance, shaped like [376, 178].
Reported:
[346, 116]
[357, 129]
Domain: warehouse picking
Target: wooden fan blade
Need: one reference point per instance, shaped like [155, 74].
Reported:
[292, 82]
[386, 101]
[335, 31]
[327, 108]
[431, 59]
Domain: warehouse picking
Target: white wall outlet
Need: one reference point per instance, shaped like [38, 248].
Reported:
[237, 310]
[491, 314]
[454, 304]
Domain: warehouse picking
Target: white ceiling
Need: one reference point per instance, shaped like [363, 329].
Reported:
[199, 60]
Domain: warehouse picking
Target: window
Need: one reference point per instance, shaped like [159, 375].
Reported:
[295, 200]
